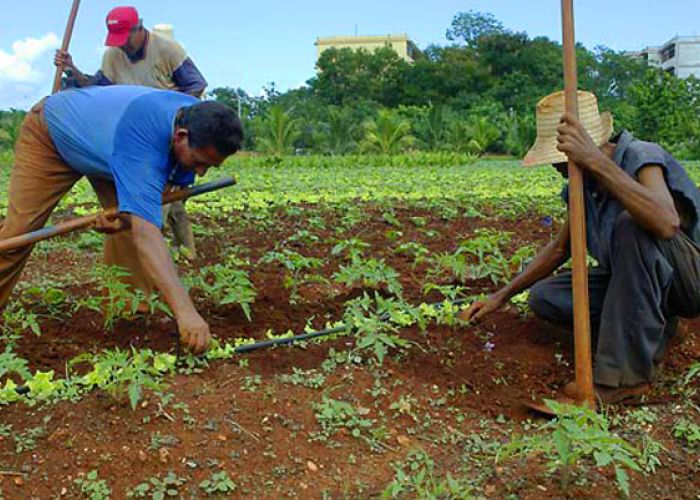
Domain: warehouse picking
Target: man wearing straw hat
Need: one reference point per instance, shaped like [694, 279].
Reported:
[643, 214]
[137, 56]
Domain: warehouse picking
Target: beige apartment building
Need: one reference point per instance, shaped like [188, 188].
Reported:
[403, 46]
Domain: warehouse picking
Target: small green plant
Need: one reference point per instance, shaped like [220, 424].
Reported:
[310, 378]
[118, 299]
[157, 488]
[693, 372]
[226, 285]
[297, 267]
[688, 432]
[218, 483]
[27, 441]
[10, 363]
[126, 373]
[416, 250]
[53, 300]
[15, 321]
[351, 249]
[376, 324]
[417, 477]
[577, 434]
[334, 415]
[251, 383]
[92, 487]
[369, 273]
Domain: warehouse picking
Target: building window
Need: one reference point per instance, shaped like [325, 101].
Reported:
[668, 52]
[671, 70]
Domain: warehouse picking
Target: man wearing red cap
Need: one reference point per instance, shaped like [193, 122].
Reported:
[137, 56]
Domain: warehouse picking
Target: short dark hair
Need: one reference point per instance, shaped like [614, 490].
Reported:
[211, 123]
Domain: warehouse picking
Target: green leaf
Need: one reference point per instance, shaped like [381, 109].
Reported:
[134, 394]
[622, 480]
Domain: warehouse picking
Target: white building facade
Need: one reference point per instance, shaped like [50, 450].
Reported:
[680, 56]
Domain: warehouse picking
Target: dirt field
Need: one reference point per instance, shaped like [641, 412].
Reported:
[445, 404]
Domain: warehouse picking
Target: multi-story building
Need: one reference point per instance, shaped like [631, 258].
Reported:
[679, 56]
[403, 46]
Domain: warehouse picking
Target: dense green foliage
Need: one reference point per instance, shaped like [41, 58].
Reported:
[476, 94]
[488, 73]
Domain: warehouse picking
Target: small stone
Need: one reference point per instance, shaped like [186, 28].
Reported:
[489, 490]
[221, 437]
[303, 486]
[498, 471]
[142, 456]
[540, 487]
[312, 466]
[164, 455]
[191, 464]
[403, 440]
[144, 404]
[64, 491]
[19, 481]
[58, 435]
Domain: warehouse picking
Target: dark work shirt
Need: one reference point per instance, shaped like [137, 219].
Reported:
[603, 208]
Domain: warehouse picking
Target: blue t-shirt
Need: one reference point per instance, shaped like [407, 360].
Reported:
[121, 133]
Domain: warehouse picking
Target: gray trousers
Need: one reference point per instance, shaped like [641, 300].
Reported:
[631, 317]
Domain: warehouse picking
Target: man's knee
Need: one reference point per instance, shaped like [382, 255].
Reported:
[546, 302]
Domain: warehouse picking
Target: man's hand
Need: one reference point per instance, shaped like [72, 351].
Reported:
[63, 59]
[110, 225]
[194, 333]
[481, 308]
[576, 143]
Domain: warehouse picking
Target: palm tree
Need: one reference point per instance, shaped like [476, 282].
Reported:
[473, 136]
[521, 134]
[336, 135]
[434, 128]
[388, 134]
[277, 133]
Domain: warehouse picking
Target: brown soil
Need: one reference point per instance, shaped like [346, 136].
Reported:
[259, 431]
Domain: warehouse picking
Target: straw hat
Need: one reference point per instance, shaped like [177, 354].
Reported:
[549, 111]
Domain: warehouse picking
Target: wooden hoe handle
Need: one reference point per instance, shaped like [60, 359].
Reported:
[69, 226]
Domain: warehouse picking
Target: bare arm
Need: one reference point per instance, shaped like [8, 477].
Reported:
[64, 60]
[547, 260]
[155, 258]
[648, 201]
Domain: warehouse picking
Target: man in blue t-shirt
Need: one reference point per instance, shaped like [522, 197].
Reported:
[131, 142]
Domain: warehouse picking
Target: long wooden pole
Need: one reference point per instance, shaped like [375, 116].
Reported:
[577, 224]
[66, 43]
[87, 221]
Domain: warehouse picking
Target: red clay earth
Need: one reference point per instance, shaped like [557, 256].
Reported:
[261, 437]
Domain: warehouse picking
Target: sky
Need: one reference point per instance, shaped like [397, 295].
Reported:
[250, 44]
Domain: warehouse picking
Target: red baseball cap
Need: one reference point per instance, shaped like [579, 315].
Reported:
[120, 20]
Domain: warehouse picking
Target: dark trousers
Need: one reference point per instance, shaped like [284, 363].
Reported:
[632, 317]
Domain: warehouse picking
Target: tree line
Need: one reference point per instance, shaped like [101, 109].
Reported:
[474, 94]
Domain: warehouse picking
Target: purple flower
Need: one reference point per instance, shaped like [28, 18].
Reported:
[547, 221]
